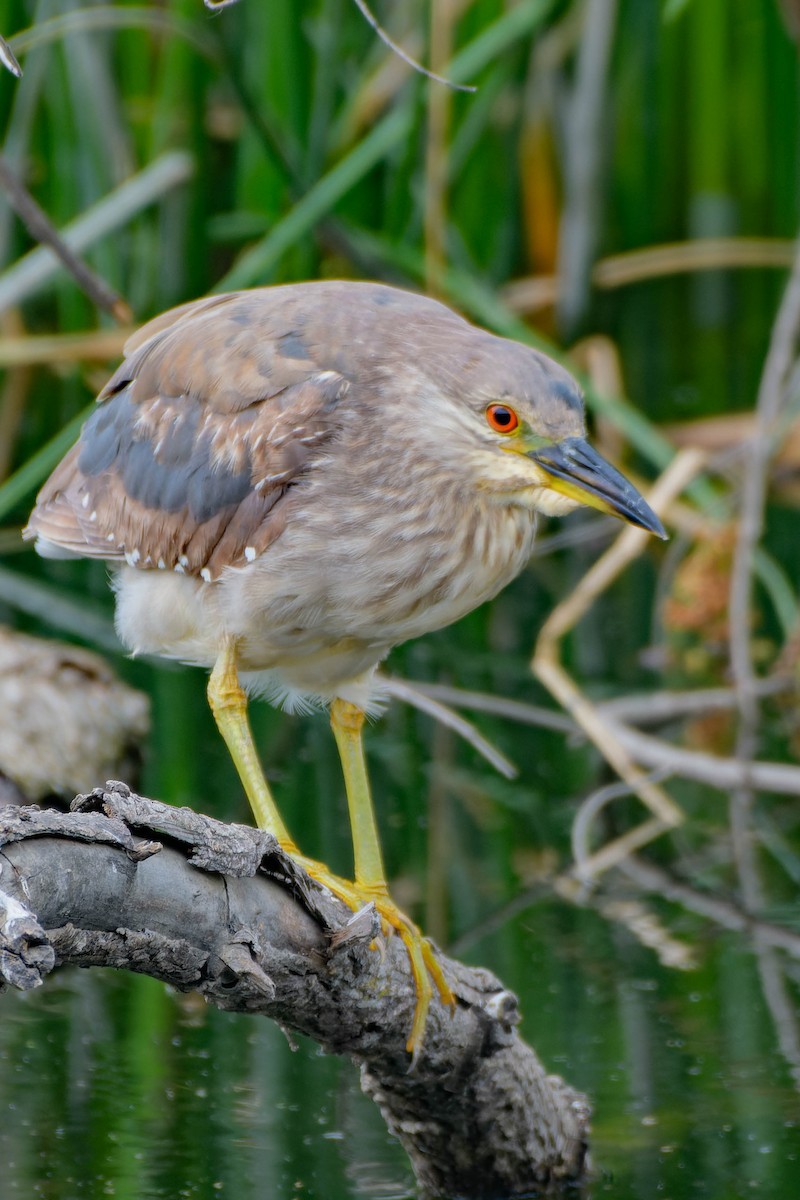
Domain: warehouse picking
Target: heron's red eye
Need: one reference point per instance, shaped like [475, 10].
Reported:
[502, 419]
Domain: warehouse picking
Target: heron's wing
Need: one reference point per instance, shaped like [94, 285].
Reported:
[218, 409]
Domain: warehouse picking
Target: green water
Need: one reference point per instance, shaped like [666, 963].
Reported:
[112, 1086]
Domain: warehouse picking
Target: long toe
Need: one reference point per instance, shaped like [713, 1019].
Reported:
[426, 970]
[425, 967]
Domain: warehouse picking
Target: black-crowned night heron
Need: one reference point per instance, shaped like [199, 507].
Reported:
[292, 480]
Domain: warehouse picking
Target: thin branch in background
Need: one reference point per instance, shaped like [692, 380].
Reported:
[400, 52]
[724, 913]
[773, 394]
[381, 87]
[8, 59]
[656, 707]
[108, 215]
[532, 293]
[55, 349]
[398, 689]
[652, 753]
[514, 710]
[759, 452]
[588, 811]
[549, 670]
[374, 24]
[640, 708]
[42, 229]
[711, 769]
[781, 1006]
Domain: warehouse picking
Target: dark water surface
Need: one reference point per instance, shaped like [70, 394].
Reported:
[112, 1086]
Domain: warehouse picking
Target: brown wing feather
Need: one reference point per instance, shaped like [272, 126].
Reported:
[218, 408]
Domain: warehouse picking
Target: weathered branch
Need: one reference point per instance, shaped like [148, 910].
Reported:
[127, 882]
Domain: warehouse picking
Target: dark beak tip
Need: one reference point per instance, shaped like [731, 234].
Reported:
[657, 531]
[576, 461]
[653, 525]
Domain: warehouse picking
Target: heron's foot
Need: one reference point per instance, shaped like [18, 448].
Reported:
[425, 966]
[426, 970]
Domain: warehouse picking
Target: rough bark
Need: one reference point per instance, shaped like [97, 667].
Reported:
[127, 882]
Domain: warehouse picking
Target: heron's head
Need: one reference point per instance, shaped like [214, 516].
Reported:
[523, 436]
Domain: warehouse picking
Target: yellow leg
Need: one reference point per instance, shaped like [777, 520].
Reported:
[347, 722]
[229, 706]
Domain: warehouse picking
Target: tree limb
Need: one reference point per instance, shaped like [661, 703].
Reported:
[131, 883]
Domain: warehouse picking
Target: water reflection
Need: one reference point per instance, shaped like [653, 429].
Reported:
[111, 1085]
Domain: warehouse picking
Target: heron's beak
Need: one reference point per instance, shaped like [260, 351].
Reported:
[576, 470]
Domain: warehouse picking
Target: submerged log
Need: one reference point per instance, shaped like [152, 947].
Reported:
[131, 883]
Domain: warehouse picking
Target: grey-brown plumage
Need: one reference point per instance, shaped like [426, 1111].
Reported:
[196, 438]
[292, 480]
[320, 454]
[312, 472]
[220, 406]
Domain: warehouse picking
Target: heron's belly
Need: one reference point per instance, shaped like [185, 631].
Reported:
[309, 594]
[321, 613]
[178, 617]
[167, 614]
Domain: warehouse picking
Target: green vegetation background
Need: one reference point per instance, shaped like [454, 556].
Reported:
[313, 153]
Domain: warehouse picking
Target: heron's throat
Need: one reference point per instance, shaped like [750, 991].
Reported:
[543, 499]
[514, 480]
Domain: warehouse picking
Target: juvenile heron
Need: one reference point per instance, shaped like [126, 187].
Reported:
[292, 480]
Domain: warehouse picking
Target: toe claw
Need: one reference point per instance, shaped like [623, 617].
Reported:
[426, 970]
